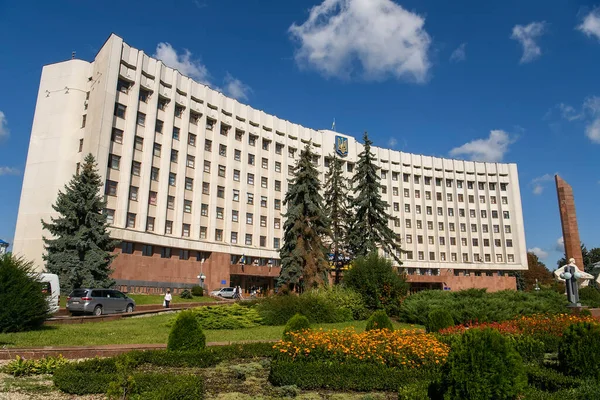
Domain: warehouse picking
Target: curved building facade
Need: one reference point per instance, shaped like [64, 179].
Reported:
[195, 182]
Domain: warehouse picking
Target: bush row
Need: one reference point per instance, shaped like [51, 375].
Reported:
[347, 376]
[477, 305]
[335, 304]
[232, 316]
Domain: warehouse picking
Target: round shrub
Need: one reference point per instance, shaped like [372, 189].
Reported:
[439, 319]
[579, 350]
[197, 291]
[378, 282]
[186, 294]
[379, 320]
[589, 296]
[23, 306]
[297, 323]
[482, 365]
[186, 333]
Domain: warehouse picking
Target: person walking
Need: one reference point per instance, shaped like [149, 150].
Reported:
[168, 299]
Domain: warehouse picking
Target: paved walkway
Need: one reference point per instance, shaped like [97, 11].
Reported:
[108, 350]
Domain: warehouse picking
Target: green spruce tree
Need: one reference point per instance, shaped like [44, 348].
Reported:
[79, 251]
[370, 229]
[303, 255]
[336, 209]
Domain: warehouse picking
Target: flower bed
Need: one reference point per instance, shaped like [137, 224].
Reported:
[401, 349]
[533, 325]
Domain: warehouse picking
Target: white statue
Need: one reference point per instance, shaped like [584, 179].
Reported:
[583, 278]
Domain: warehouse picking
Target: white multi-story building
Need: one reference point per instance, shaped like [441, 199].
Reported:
[195, 182]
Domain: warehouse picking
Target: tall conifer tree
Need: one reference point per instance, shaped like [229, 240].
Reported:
[303, 255]
[370, 229]
[79, 251]
[336, 208]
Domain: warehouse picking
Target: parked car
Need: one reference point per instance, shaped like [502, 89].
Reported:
[226, 292]
[51, 288]
[98, 302]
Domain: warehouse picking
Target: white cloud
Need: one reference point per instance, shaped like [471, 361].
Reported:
[9, 171]
[538, 252]
[569, 113]
[591, 105]
[591, 24]
[459, 54]
[560, 245]
[491, 149]
[539, 183]
[392, 143]
[384, 38]
[236, 88]
[182, 62]
[527, 35]
[3, 126]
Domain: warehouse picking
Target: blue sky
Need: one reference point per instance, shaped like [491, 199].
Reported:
[511, 81]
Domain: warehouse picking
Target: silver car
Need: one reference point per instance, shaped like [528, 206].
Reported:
[98, 302]
[226, 292]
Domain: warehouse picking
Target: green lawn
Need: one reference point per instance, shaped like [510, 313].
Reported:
[156, 299]
[144, 330]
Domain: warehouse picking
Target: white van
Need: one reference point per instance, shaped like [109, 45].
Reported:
[51, 288]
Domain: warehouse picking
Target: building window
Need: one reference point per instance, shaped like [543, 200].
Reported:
[236, 195]
[250, 199]
[120, 110]
[194, 118]
[191, 161]
[263, 221]
[111, 188]
[222, 171]
[504, 200]
[171, 202]
[510, 258]
[178, 110]
[203, 232]
[192, 139]
[249, 218]
[220, 212]
[204, 210]
[251, 159]
[498, 257]
[116, 136]
[278, 148]
[130, 220]
[219, 235]
[141, 118]
[277, 223]
[175, 133]
[236, 175]
[157, 149]
[138, 143]
[172, 178]
[237, 155]
[158, 127]
[205, 188]
[144, 94]
[264, 182]
[506, 214]
[110, 216]
[263, 201]
[147, 250]
[114, 161]
[207, 145]
[278, 186]
[235, 215]
[507, 229]
[234, 236]
[248, 239]
[210, 124]
[252, 140]
[509, 243]
[187, 206]
[206, 166]
[152, 198]
[250, 179]
[162, 103]
[127, 248]
[150, 224]
[291, 152]
[133, 193]
[165, 252]
[174, 156]
[222, 150]
[221, 192]
[185, 230]
[265, 163]
[263, 241]
[277, 204]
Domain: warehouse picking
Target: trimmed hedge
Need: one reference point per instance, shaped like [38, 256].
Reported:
[549, 380]
[197, 291]
[352, 376]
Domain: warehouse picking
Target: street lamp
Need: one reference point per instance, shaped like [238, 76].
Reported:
[202, 277]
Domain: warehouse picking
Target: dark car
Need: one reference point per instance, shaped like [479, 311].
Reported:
[98, 302]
